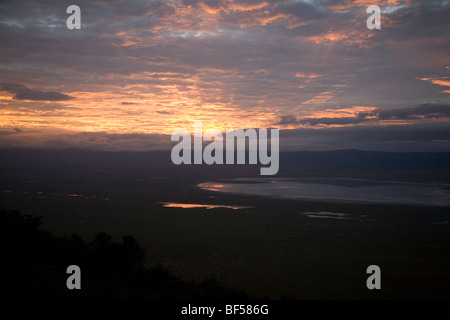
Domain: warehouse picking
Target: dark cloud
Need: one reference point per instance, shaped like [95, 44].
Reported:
[331, 121]
[425, 110]
[306, 11]
[164, 112]
[434, 137]
[18, 131]
[22, 92]
[287, 119]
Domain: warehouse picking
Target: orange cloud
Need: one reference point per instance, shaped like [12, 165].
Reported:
[443, 81]
[346, 36]
[155, 109]
[321, 98]
[366, 3]
[353, 111]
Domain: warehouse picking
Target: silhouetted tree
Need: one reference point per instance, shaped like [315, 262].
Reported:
[34, 265]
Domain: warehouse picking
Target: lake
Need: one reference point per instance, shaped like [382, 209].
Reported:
[337, 190]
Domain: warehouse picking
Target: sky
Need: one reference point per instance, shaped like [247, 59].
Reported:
[138, 70]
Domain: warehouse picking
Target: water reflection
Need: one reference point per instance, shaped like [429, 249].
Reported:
[194, 205]
[327, 215]
[338, 190]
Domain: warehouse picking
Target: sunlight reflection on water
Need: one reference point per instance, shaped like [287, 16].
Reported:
[194, 205]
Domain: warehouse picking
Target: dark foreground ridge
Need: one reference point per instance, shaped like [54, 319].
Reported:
[34, 266]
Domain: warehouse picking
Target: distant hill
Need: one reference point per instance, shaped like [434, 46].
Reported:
[336, 160]
[365, 160]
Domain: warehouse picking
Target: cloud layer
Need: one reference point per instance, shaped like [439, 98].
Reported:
[149, 67]
[21, 92]
[427, 111]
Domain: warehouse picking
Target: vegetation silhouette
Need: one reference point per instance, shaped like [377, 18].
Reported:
[34, 265]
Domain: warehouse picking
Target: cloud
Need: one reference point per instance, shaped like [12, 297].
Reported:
[18, 132]
[426, 137]
[426, 110]
[422, 111]
[85, 140]
[153, 66]
[287, 119]
[164, 112]
[331, 121]
[292, 120]
[444, 81]
[21, 92]
[430, 137]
